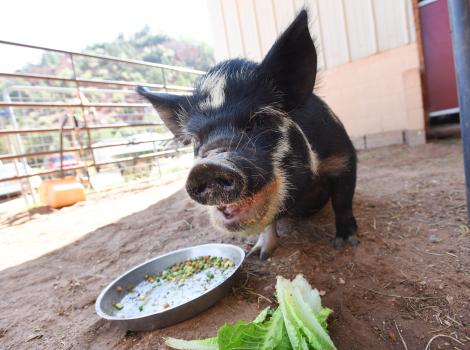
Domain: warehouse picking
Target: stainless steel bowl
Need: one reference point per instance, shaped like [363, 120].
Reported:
[104, 304]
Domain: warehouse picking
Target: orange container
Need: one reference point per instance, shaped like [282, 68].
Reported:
[62, 192]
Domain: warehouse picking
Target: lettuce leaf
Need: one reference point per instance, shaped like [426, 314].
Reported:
[265, 332]
[311, 297]
[322, 317]
[269, 335]
[200, 344]
[300, 323]
[302, 320]
[263, 315]
[296, 337]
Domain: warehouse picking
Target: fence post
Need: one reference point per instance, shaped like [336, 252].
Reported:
[459, 13]
[85, 121]
[164, 80]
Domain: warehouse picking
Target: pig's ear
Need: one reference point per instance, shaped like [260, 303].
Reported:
[170, 109]
[292, 62]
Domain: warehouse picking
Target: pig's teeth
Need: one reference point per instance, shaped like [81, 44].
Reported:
[228, 207]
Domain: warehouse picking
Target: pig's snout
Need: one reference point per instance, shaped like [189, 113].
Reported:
[213, 183]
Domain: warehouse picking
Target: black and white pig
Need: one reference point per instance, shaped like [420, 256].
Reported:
[265, 145]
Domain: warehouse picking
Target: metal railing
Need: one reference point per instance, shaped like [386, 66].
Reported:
[80, 85]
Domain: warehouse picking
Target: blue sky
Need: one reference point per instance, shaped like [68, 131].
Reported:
[72, 25]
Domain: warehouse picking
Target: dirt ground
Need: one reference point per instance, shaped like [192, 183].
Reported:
[406, 283]
[29, 234]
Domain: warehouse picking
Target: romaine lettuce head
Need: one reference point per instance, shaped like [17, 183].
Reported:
[300, 323]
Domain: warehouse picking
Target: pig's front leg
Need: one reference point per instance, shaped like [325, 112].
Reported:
[267, 242]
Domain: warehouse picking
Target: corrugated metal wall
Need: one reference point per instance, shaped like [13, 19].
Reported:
[344, 30]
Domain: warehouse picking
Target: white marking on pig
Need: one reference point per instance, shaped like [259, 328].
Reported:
[286, 124]
[214, 83]
[313, 157]
[214, 86]
[282, 148]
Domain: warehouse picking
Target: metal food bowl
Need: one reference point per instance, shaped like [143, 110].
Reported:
[104, 304]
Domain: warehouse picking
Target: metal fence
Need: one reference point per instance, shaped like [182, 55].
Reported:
[33, 105]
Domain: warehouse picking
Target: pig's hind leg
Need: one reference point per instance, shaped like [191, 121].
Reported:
[342, 193]
[267, 242]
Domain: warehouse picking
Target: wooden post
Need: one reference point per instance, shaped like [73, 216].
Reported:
[459, 13]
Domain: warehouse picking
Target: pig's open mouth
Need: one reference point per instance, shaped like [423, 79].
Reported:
[235, 216]
[230, 210]
[251, 213]
[235, 212]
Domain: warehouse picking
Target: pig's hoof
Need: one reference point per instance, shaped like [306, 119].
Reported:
[253, 250]
[352, 241]
[264, 256]
[338, 242]
[349, 241]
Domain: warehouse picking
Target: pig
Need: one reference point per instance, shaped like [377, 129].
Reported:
[265, 145]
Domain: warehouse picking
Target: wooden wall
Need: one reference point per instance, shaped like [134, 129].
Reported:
[345, 30]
